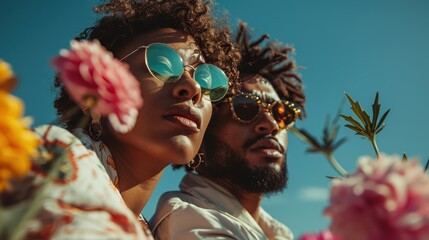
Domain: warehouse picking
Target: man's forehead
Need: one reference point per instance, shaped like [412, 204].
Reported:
[260, 87]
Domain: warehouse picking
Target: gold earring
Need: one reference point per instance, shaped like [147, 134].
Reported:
[196, 163]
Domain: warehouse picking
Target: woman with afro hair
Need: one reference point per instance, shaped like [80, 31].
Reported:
[109, 176]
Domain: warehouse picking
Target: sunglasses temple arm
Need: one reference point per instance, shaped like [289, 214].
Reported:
[131, 53]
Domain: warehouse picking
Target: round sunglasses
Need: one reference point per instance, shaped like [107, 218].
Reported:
[165, 64]
[246, 108]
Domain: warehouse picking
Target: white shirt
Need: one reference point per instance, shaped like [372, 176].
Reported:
[206, 210]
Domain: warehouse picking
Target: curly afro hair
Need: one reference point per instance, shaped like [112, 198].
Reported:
[122, 20]
[273, 63]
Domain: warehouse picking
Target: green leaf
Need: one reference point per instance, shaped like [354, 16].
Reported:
[382, 119]
[351, 120]
[356, 108]
[375, 112]
[381, 128]
[306, 136]
[333, 178]
[357, 130]
[338, 143]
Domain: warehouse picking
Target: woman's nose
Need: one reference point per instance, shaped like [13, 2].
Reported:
[187, 88]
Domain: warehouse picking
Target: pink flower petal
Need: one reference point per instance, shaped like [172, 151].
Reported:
[324, 235]
[384, 199]
[89, 70]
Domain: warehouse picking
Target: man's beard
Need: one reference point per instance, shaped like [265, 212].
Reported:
[225, 163]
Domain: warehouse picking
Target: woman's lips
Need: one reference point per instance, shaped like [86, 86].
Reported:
[185, 116]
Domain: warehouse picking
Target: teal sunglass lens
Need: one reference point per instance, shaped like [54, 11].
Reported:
[213, 80]
[164, 62]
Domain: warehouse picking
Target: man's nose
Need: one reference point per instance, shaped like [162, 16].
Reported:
[266, 124]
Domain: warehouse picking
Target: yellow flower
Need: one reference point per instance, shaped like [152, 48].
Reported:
[5, 72]
[17, 142]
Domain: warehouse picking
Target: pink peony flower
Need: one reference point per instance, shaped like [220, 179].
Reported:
[324, 235]
[384, 199]
[89, 72]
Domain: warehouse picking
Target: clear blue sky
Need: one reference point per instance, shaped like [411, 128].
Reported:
[358, 47]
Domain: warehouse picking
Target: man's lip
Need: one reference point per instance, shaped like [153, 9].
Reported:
[267, 143]
[183, 113]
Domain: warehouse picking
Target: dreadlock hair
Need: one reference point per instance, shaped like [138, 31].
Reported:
[273, 63]
[122, 20]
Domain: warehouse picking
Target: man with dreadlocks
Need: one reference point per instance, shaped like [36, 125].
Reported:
[243, 156]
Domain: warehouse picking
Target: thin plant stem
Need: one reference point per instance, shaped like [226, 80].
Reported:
[336, 165]
[374, 145]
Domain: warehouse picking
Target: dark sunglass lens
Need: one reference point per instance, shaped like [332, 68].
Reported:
[164, 62]
[213, 80]
[245, 107]
[283, 114]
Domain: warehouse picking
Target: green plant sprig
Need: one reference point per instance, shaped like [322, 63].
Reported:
[327, 145]
[366, 127]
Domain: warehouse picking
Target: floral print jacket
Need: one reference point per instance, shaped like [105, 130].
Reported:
[68, 195]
